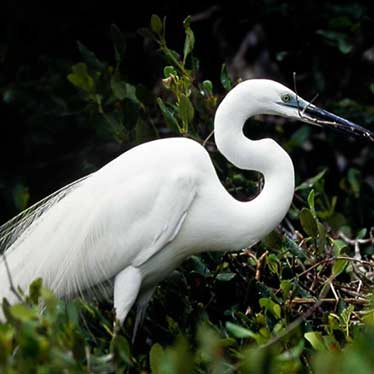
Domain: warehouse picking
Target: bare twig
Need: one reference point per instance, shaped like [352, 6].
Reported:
[349, 291]
[359, 286]
[324, 261]
[207, 138]
[334, 292]
[259, 264]
[12, 288]
[356, 244]
[88, 359]
[363, 262]
[329, 300]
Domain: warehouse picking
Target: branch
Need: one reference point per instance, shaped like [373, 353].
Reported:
[349, 300]
[12, 288]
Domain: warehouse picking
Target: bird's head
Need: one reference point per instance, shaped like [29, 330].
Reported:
[271, 97]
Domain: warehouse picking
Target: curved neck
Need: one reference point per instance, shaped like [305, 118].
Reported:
[267, 210]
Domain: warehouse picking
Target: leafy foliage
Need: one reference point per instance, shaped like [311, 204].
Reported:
[298, 302]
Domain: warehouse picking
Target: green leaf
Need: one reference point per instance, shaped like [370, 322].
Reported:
[239, 331]
[337, 39]
[311, 202]
[170, 71]
[339, 266]
[285, 286]
[169, 117]
[273, 241]
[362, 233]
[309, 183]
[271, 307]
[156, 24]
[353, 177]
[299, 137]
[23, 312]
[189, 41]
[186, 111]
[144, 132]
[21, 196]
[121, 349]
[316, 340]
[156, 356]
[273, 263]
[72, 311]
[292, 353]
[116, 126]
[81, 79]
[294, 249]
[208, 87]
[199, 266]
[90, 58]
[226, 277]
[172, 56]
[338, 246]
[119, 43]
[308, 222]
[336, 221]
[371, 88]
[225, 79]
[118, 88]
[35, 290]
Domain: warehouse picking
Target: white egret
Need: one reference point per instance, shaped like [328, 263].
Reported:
[136, 219]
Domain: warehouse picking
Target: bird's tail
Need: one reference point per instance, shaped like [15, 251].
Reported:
[16, 231]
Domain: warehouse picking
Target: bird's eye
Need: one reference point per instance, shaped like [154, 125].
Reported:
[286, 98]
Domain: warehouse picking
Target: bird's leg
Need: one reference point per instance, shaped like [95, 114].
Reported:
[126, 288]
[141, 307]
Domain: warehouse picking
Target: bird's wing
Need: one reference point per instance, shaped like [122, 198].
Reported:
[80, 238]
[169, 211]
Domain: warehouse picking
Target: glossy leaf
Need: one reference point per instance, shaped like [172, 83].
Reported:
[21, 196]
[226, 277]
[90, 58]
[35, 290]
[239, 331]
[316, 340]
[339, 266]
[189, 42]
[156, 24]
[155, 358]
[225, 79]
[311, 202]
[169, 117]
[353, 178]
[119, 88]
[271, 307]
[208, 87]
[170, 71]
[81, 78]
[311, 182]
[308, 222]
[186, 110]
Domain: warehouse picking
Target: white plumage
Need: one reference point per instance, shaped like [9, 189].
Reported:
[135, 220]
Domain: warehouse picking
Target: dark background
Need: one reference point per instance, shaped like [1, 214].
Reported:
[329, 45]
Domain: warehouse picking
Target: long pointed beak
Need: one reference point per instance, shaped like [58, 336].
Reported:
[320, 117]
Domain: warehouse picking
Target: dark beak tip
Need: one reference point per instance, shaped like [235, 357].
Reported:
[322, 117]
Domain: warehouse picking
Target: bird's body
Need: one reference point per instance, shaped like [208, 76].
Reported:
[136, 219]
[121, 210]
